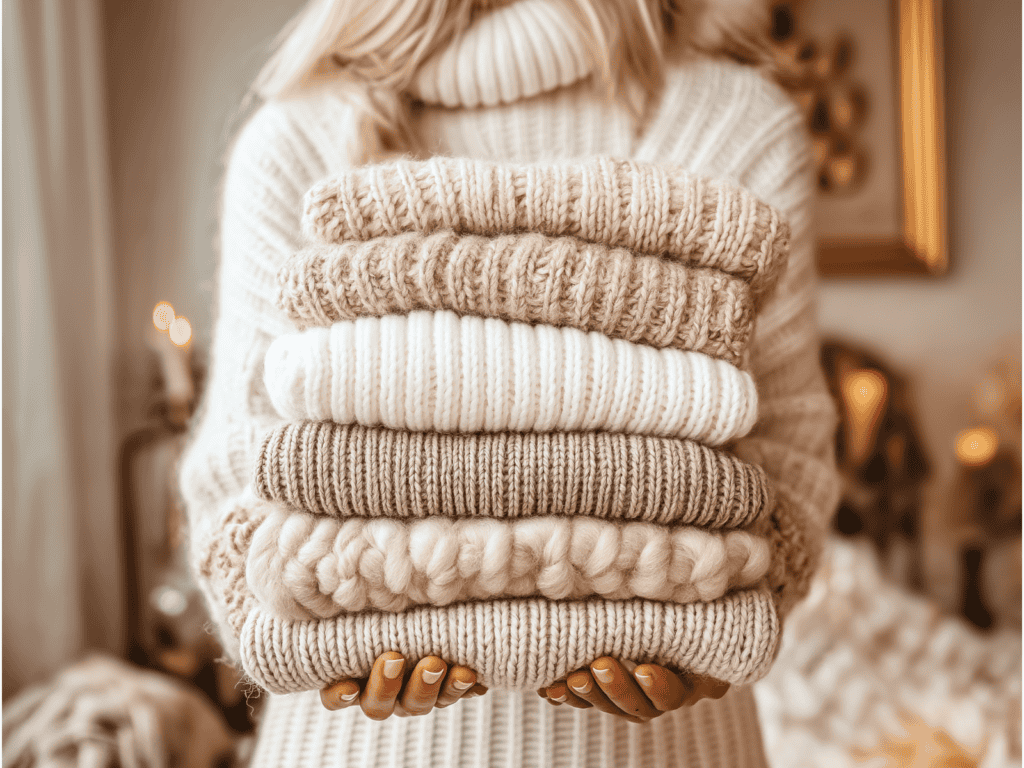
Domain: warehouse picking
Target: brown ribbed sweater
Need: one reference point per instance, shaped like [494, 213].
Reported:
[532, 278]
[355, 471]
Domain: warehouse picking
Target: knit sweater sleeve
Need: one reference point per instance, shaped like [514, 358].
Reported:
[793, 440]
[270, 166]
[726, 120]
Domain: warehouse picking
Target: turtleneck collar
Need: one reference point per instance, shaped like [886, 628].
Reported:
[509, 53]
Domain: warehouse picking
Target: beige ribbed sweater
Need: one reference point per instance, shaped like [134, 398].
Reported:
[717, 120]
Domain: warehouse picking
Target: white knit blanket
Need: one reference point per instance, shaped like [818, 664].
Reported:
[439, 371]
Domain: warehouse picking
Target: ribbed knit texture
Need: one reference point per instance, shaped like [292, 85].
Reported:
[520, 644]
[306, 567]
[530, 278]
[353, 471]
[714, 120]
[651, 209]
[438, 371]
[468, 74]
[510, 731]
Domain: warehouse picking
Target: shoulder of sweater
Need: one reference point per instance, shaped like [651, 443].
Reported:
[287, 145]
[728, 120]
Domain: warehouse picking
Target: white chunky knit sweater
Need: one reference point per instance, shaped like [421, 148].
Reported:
[714, 119]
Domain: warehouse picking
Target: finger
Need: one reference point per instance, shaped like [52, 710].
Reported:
[666, 690]
[341, 694]
[382, 687]
[548, 699]
[420, 692]
[559, 693]
[476, 690]
[709, 688]
[621, 689]
[582, 684]
[457, 683]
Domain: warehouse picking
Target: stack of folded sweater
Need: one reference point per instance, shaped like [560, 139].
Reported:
[509, 402]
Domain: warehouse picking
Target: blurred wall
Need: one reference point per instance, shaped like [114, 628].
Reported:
[178, 69]
[944, 331]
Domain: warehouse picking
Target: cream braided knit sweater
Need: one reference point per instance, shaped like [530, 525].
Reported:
[714, 120]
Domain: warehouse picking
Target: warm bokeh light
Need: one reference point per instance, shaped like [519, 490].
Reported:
[180, 331]
[976, 447]
[864, 392]
[163, 316]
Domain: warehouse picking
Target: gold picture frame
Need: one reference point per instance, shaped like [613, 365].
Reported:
[921, 248]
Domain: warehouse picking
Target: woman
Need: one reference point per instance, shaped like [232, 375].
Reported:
[664, 81]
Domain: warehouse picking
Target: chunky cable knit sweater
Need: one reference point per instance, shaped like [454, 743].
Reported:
[307, 567]
[715, 120]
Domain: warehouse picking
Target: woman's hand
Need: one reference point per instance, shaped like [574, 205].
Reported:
[396, 687]
[638, 696]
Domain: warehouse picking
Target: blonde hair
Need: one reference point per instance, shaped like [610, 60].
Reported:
[372, 48]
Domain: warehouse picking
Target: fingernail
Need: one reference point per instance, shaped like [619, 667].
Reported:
[645, 679]
[604, 675]
[460, 685]
[559, 699]
[349, 696]
[583, 688]
[393, 668]
[431, 677]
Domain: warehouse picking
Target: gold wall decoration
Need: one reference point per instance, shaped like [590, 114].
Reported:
[820, 69]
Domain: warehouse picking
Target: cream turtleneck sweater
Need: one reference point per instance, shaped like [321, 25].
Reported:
[509, 90]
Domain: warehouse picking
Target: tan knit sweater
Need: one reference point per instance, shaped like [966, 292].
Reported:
[530, 278]
[354, 471]
[715, 120]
